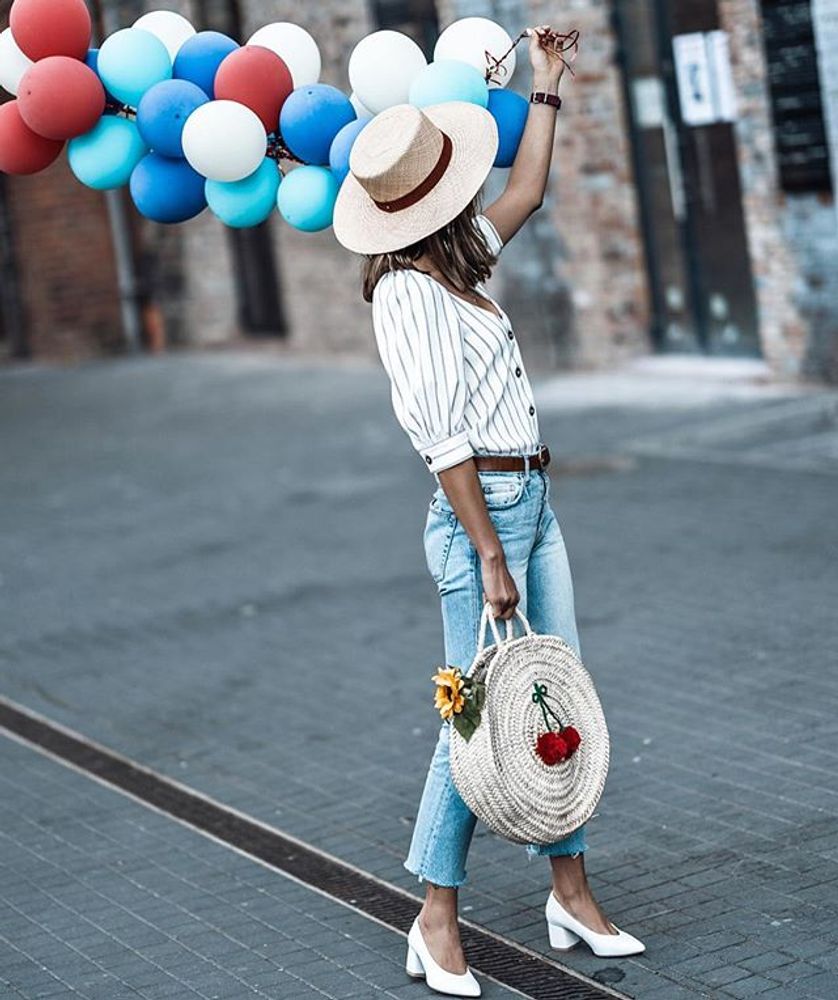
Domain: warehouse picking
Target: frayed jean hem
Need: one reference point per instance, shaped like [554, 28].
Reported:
[573, 844]
[443, 883]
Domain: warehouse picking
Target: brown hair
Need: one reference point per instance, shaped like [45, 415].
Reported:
[458, 249]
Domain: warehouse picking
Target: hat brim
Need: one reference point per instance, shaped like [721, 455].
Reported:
[360, 226]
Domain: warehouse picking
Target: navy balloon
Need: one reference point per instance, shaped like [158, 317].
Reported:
[310, 119]
[200, 56]
[166, 190]
[163, 112]
[342, 146]
[510, 112]
[92, 60]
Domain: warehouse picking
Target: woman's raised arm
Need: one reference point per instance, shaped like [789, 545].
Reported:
[527, 182]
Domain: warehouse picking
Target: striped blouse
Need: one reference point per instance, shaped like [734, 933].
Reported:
[458, 384]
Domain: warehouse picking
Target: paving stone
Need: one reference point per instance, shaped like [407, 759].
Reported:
[113, 954]
[172, 542]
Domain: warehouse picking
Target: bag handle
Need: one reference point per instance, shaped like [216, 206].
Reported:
[488, 615]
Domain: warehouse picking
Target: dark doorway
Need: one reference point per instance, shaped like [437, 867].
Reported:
[417, 18]
[681, 106]
[258, 296]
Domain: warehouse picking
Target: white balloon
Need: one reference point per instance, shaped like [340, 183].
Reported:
[172, 29]
[13, 63]
[470, 38]
[224, 141]
[382, 67]
[295, 46]
[360, 109]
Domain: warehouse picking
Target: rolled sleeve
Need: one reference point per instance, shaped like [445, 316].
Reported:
[450, 451]
[490, 233]
[418, 334]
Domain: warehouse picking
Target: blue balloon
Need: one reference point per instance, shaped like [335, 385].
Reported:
[167, 190]
[448, 80]
[247, 202]
[104, 157]
[310, 119]
[510, 112]
[306, 198]
[200, 56]
[342, 146]
[163, 112]
[130, 61]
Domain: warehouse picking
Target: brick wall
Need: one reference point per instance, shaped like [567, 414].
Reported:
[819, 231]
[793, 238]
[66, 272]
[319, 279]
[573, 280]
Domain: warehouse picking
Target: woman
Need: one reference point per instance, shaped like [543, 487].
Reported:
[411, 205]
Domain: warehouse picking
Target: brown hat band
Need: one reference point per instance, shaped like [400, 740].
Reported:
[430, 182]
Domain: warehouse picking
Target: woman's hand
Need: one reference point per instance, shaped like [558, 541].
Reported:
[499, 587]
[548, 64]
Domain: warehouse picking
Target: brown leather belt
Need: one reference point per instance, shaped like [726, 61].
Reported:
[514, 463]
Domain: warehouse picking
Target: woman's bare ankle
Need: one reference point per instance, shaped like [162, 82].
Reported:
[439, 911]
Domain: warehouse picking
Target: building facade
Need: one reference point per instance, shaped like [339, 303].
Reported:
[691, 206]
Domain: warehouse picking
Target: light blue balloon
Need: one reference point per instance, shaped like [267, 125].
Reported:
[247, 202]
[306, 198]
[448, 80]
[342, 146]
[104, 157]
[131, 61]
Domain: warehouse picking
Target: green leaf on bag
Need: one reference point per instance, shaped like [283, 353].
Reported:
[465, 726]
[479, 699]
[467, 721]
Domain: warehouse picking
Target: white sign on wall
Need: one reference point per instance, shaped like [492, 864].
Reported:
[649, 101]
[705, 79]
[721, 75]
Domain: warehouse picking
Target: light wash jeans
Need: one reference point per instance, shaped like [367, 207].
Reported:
[519, 506]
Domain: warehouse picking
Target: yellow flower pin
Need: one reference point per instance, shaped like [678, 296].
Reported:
[449, 699]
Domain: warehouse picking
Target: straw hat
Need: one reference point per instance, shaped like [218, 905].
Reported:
[412, 170]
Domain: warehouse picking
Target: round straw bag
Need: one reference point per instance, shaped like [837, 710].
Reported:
[507, 772]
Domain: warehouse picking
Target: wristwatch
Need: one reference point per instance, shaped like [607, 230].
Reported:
[542, 97]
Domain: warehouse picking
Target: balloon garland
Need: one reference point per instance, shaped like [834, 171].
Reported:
[191, 119]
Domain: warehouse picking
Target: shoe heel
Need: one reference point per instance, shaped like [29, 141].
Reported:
[561, 938]
[413, 966]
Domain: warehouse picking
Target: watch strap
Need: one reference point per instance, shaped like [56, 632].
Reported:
[542, 97]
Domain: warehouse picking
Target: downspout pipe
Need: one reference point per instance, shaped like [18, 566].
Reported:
[121, 237]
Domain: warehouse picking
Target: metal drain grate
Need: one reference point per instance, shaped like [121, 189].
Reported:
[504, 961]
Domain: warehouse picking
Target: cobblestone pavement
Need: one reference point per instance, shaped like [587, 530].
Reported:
[103, 898]
[213, 564]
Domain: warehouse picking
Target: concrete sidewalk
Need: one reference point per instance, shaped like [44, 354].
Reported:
[182, 583]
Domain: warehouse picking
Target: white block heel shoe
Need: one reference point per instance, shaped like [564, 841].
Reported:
[420, 964]
[413, 966]
[561, 938]
[565, 931]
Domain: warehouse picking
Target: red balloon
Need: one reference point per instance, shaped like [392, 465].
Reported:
[60, 97]
[258, 78]
[22, 151]
[44, 28]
